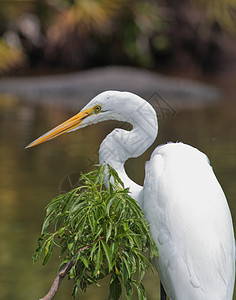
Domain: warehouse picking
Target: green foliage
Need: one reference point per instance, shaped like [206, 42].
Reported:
[10, 56]
[221, 11]
[80, 34]
[103, 231]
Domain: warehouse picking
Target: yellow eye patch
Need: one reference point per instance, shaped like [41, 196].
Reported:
[97, 108]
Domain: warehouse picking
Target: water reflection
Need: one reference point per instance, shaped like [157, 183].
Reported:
[30, 178]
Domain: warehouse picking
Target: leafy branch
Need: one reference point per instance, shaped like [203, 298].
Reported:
[100, 232]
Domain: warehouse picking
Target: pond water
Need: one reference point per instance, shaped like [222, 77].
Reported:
[29, 179]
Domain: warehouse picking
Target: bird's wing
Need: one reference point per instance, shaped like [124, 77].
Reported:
[190, 223]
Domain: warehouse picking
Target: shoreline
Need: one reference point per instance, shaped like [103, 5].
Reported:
[67, 88]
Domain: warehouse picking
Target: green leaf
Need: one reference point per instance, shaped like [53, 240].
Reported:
[109, 231]
[115, 289]
[114, 249]
[138, 241]
[85, 261]
[71, 246]
[126, 226]
[98, 260]
[92, 222]
[93, 250]
[141, 291]
[124, 274]
[109, 204]
[114, 174]
[46, 224]
[108, 255]
[72, 272]
[61, 231]
[99, 233]
[154, 250]
[48, 251]
[127, 266]
[129, 289]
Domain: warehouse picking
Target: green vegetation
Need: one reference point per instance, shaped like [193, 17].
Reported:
[10, 56]
[78, 34]
[100, 232]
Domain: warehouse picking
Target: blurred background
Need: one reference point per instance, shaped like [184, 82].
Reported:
[55, 55]
[182, 37]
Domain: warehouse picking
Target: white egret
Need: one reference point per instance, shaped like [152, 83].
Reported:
[189, 217]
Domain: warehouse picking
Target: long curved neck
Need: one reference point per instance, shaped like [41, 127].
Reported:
[121, 145]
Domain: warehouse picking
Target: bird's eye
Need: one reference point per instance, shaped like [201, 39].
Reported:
[97, 108]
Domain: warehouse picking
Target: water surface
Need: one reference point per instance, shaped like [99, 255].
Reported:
[30, 178]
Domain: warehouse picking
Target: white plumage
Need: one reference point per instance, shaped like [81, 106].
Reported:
[195, 233]
[181, 198]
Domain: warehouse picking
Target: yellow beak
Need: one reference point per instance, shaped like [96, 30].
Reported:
[68, 125]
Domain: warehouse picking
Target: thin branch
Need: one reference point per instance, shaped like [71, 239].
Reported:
[62, 273]
[56, 283]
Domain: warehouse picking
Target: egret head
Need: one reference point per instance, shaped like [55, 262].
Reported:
[109, 105]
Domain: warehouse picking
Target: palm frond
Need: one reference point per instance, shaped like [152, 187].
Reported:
[10, 56]
[221, 11]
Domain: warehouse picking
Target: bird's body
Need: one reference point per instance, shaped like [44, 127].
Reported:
[194, 230]
[181, 198]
